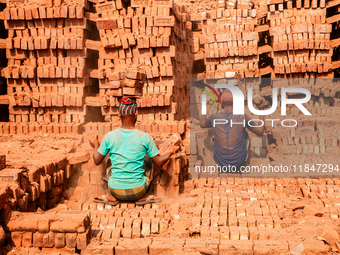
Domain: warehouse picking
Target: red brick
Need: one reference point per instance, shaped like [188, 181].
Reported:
[59, 240]
[38, 239]
[314, 247]
[164, 21]
[2, 161]
[312, 210]
[133, 247]
[83, 239]
[331, 236]
[116, 232]
[233, 247]
[48, 240]
[27, 239]
[76, 158]
[162, 246]
[16, 238]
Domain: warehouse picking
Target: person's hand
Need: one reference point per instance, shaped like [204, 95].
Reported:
[175, 148]
[264, 104]
[260, 102]
[93, 139]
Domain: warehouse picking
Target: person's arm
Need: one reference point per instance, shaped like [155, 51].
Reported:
[153, 152]
[97, 157]
[161, 160]
[259, 130]
[205, 121]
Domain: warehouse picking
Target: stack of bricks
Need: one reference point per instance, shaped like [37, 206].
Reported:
[189, 23]
[3, 60]
[154, 129]
[46, 72]
[40, 184]
[226, 215]
[168, 182]
[4, 207]
[54, 230]
[230, 40]
[314, 139]
[166, 245]
[305, 136]
[182, 62]
[136, 42]
[300, 39]
[129, 221]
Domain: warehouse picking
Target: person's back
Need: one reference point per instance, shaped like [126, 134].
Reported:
[231, 144]
[229, 141]
[127, 149]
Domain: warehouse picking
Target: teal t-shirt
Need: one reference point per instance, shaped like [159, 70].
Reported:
[127, 148]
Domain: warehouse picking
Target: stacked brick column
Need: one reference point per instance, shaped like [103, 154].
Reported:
[183, 63]
[230, 41]
[300, 39]
[137, 47]
[46, 70]
[3, 61]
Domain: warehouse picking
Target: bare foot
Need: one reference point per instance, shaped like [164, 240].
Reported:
[109, 197]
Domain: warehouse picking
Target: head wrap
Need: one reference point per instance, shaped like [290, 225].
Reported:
[127, 106]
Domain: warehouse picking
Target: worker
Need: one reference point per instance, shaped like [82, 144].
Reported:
[231, 142]
[129, 170]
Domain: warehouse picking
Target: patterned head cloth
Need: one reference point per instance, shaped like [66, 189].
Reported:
[127, 106]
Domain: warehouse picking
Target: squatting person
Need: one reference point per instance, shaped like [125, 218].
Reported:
[129, 169]
[231, 143]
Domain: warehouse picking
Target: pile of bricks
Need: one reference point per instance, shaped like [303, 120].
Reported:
[305, 137]
[188, 27]
[3, 63]
[136, 59]
[61, 230]
[41, 183]
[300, 39]
[154, 129]
[226, 212]
[230, 41]
[222, 34]
[36, 128]
[164, 245]
[224, 215]
[4, 196]
[46, 71]
[314, 137]
[130, 222]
